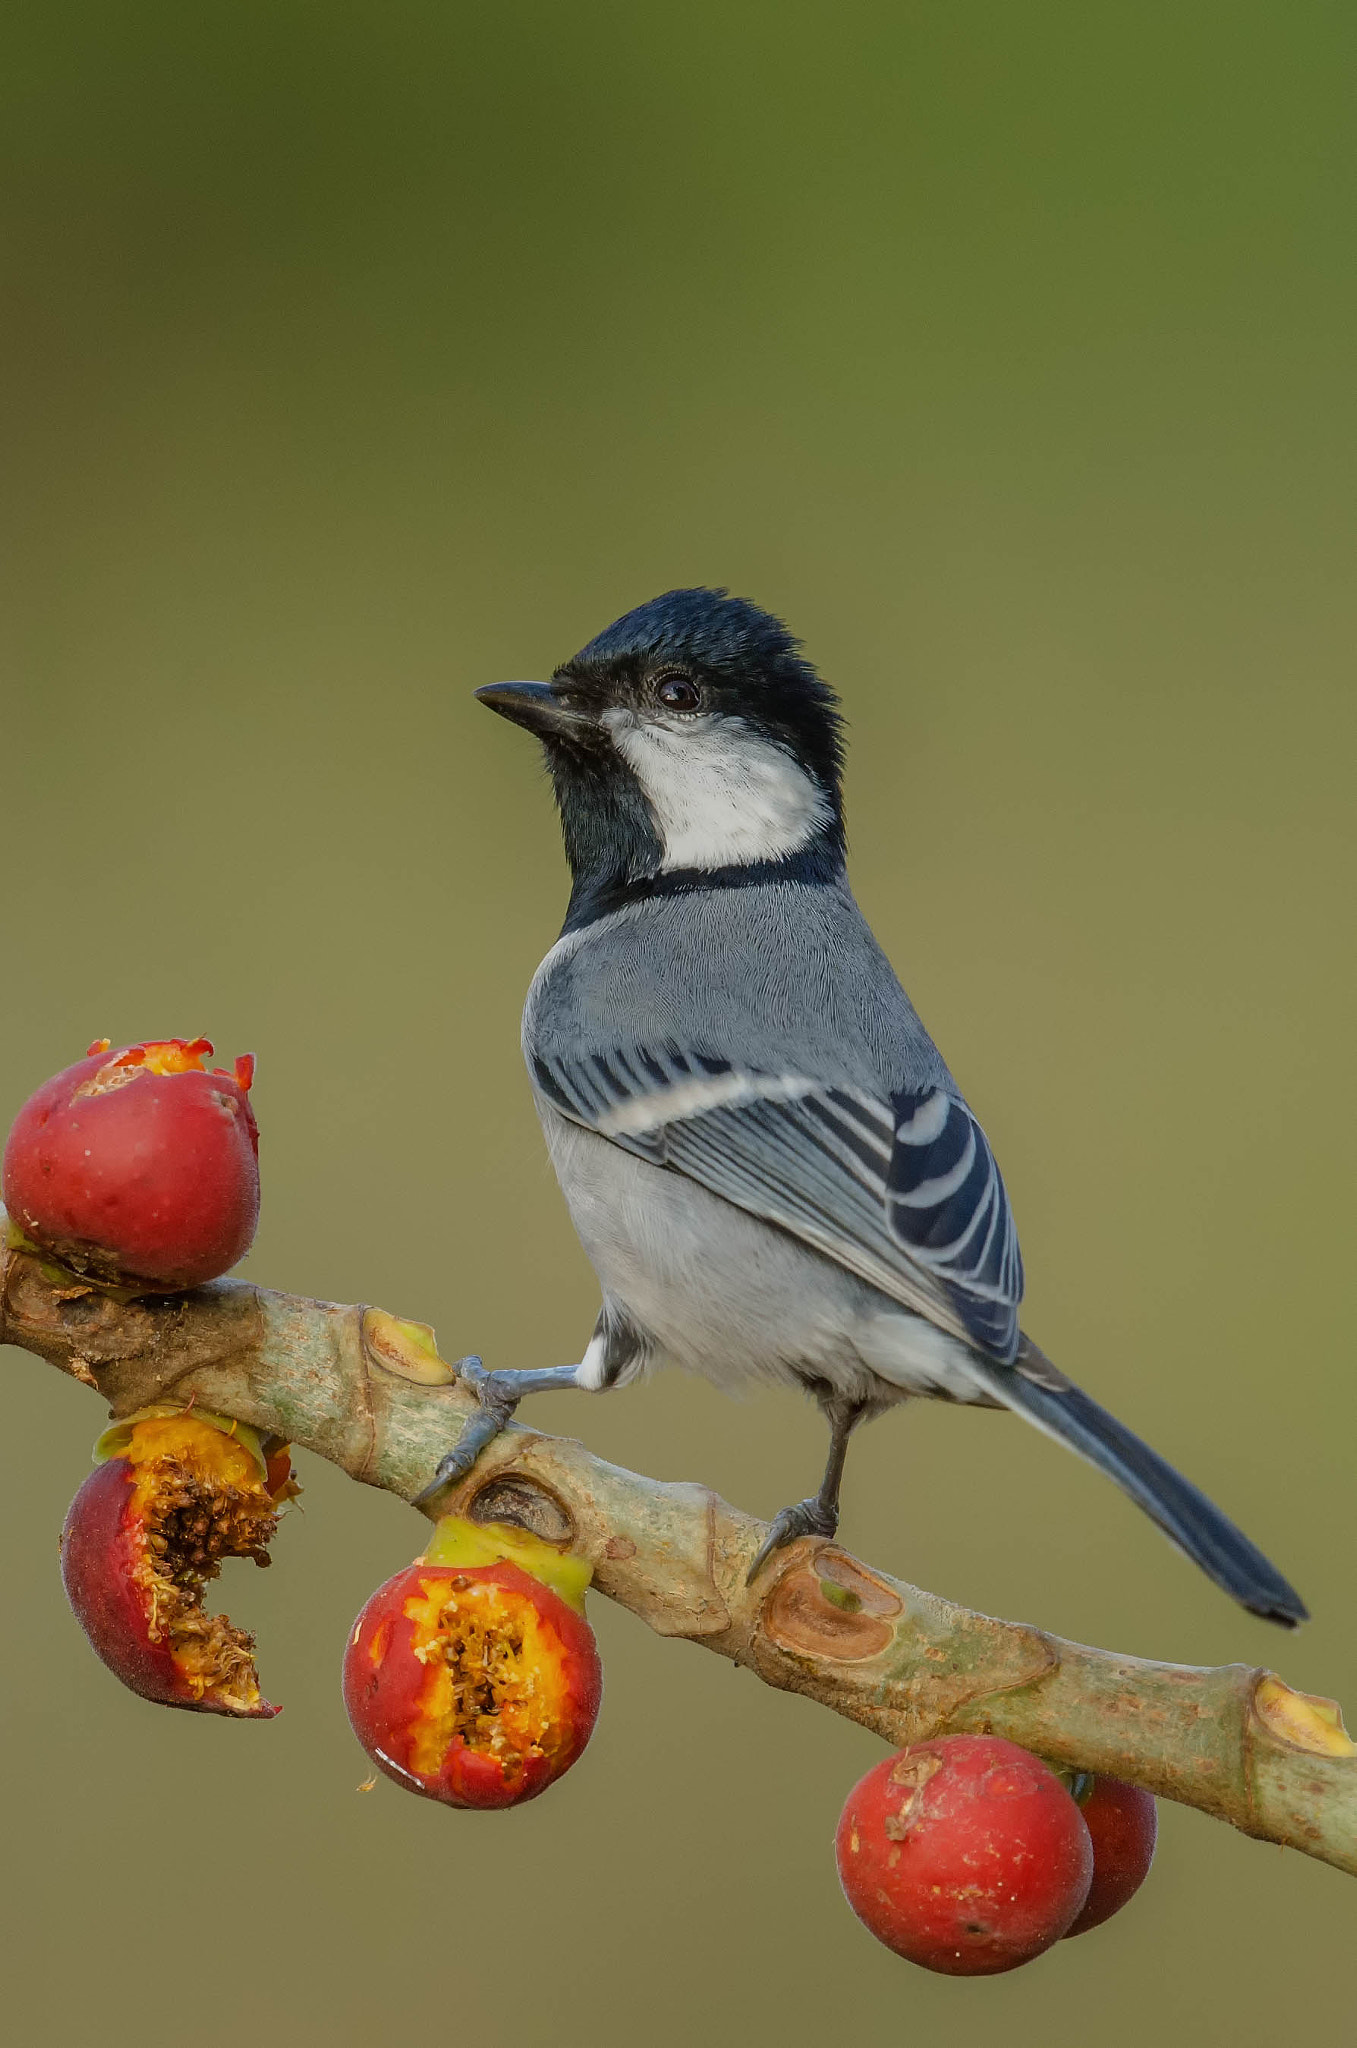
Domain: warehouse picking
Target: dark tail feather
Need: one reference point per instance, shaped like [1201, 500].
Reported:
[1185, 1515]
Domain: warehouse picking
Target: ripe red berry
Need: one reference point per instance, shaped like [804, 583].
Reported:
[138, 1167]
[965, 1854]
[1122, 1822]
[177, 1493]
[469, 1679]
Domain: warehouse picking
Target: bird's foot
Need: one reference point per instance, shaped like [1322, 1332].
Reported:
[813, 1517]
[495, 1409]
[498, 1395]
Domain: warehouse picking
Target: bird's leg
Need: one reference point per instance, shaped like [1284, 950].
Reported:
[818, 1516]
[498, 1393]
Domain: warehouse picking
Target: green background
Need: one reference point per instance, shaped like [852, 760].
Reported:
[357, 355]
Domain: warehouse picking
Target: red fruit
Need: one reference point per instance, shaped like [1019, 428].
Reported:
[1122, 1822]
[178, 1492]
[965, 1854]
[138, 1167]
[470, 1679]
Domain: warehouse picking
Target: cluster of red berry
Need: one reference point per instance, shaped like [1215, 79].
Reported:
[971, 1856]
[471, 1677]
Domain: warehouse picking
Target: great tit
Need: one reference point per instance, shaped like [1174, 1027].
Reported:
[770, 1167]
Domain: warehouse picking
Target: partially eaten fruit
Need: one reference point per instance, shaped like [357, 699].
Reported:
[473, 1676]
[138, 1167]
[177, 1492]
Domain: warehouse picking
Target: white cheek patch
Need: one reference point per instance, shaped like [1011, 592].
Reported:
[721, 795]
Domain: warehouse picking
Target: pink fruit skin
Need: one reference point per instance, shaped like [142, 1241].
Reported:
[1123, 1823]
[100, 1548]
[975, 1869]
[159, 1174]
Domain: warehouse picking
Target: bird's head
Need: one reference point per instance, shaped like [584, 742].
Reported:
[690, 736]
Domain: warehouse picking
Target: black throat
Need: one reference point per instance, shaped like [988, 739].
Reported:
[616, 856]
[815, 866]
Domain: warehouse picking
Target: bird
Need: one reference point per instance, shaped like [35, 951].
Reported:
[768, 1163]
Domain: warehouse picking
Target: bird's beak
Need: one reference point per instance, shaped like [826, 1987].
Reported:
[536, 706]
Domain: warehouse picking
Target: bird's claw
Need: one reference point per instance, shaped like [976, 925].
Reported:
[496, 1408]
[802, 1518]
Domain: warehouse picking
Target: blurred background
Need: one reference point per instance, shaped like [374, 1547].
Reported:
[359, 354]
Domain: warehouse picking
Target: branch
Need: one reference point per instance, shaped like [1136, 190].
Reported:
[371, 1394]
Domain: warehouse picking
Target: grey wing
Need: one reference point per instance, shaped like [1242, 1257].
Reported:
[903, 1192]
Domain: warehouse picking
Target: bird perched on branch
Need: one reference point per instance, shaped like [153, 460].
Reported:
[770, 1167]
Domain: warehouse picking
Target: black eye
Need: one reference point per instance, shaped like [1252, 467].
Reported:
[678, 693]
